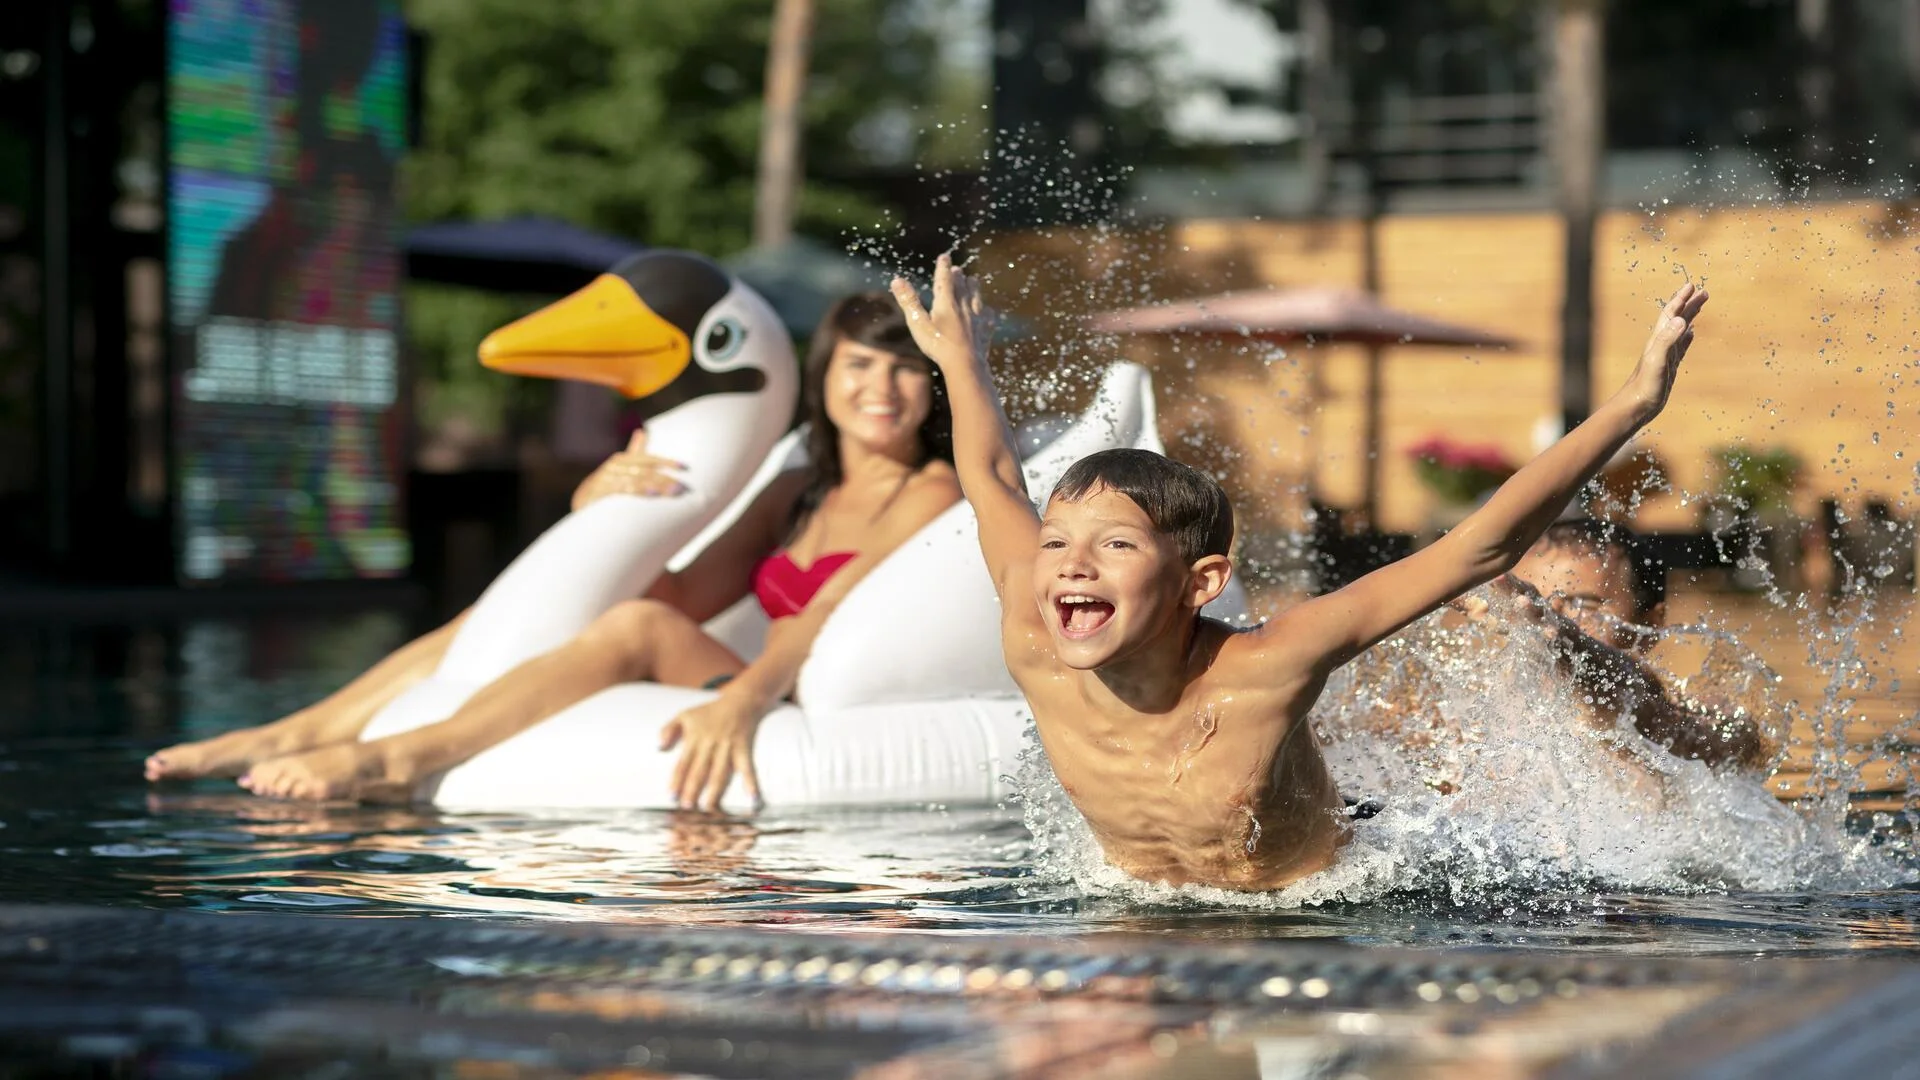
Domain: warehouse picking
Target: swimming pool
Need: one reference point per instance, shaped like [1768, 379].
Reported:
[79, 708]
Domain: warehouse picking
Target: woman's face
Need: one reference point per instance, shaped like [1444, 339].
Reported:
[878, 399]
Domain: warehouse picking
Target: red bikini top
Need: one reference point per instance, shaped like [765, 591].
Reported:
[785, 589]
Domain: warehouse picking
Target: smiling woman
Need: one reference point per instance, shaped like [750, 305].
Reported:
[879, 470]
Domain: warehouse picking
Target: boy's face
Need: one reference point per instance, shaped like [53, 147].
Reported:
[1106, 580]
[1593, 588]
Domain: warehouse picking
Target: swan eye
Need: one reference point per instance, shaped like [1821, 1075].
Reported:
[724, 338]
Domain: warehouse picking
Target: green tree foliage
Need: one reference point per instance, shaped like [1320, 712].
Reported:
[644, 118]
[639, 118]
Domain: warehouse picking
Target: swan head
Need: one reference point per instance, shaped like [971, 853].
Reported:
[667, 326]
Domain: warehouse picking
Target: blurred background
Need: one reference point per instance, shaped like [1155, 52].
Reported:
[248, 247]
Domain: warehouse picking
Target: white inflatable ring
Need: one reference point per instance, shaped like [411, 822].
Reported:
[892, 713]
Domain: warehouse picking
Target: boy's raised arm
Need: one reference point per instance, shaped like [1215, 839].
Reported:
[954, 336]
[1492, 539]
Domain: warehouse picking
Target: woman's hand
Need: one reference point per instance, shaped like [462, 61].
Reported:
[958, 330]
[1652, 379]
[718, 739]
[632, 471]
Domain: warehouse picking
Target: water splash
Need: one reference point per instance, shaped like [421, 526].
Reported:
[1493, 780]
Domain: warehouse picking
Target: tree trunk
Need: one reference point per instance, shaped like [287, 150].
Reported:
[778, 186]
[1316, 101]
[1579, 108]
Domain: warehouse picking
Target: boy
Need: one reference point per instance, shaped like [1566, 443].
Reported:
[1180, 739]
[1600, 598]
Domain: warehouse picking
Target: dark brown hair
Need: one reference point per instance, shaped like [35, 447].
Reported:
[1648, 573]
[1181, 501]
[872, 319]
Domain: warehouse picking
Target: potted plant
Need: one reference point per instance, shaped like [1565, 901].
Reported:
[1458, 474]
[1751, 513]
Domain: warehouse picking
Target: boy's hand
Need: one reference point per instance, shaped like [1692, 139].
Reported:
[1652, 379]
[957, 331]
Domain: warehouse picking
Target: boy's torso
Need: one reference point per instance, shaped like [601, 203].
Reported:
[1227, 788]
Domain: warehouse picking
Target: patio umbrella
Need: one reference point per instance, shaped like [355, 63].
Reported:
[519, 255]
[1317, 314]
[1321, 314]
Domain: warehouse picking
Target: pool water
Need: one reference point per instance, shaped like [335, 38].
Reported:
[80, 708]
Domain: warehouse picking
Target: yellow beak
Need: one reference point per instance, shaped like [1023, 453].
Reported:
[602, 334]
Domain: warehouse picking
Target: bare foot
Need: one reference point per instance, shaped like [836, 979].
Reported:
[230, 754]
[235, 752]
[348, 771]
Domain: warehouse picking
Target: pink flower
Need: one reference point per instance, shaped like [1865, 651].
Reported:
[1459, 472]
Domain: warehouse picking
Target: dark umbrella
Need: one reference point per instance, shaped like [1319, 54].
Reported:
[520, 255]
[1317, 314]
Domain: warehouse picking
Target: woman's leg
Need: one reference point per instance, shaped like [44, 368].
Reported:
[637, 641]
[338, 718]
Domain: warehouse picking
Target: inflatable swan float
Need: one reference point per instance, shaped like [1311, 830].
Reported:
[899, 706]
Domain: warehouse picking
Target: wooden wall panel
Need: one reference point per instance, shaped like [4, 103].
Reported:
[1811, 341]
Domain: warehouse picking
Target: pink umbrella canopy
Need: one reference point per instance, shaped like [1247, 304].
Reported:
[1317, 313]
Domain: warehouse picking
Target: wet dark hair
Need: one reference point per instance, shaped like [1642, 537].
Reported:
[1647, 573]
[872, 319]
[1181, 501]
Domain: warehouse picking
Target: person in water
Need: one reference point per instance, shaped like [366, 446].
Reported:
[1597, 602]
[1601, 601]
[1181, 739]
[879, 468]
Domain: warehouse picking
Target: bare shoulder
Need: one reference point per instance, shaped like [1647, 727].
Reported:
[1028, 646]
[936, 482]
[926, 495]
[1263, 658]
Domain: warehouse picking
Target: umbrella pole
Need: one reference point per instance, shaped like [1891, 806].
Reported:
[1367, 135]
[1370, 498]
[1579, 147]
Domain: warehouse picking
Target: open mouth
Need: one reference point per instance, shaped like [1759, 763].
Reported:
[1081, 615]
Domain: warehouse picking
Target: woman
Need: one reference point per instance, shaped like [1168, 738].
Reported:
[880, 467]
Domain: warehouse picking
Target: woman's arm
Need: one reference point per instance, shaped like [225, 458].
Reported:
[1336, 627]
[719, 735]
[772, 676]
[720, 575]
